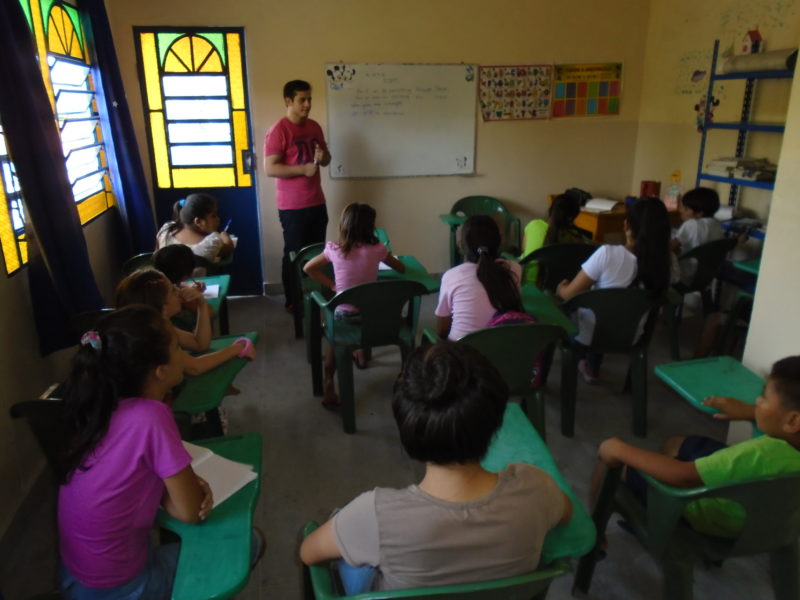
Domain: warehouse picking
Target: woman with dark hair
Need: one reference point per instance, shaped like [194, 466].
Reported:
[448, 403]
[482, 286]
[124, 459]
[645, 260]
[195, 223]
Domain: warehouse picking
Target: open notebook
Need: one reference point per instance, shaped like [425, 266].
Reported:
[226, 477]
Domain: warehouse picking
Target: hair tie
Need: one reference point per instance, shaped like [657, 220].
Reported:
[92, 338]
[248, 343]
[482, 250]
[181, 202]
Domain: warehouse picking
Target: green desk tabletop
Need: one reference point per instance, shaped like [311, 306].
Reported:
[517, 441]
[698, 379]
[224, 283]
[414, 272]
[204, 392]
[453, 220]
[749, 266]
[214, 560]
[544, 309]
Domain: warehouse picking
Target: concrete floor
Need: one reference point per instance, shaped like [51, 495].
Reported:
[311, 466]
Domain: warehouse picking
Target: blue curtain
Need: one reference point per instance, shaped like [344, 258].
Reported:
[124, 158]
[61, 279]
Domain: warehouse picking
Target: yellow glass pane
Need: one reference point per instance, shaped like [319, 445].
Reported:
[235, 70]
[161, 157]
[240, 142]
[61, 36]
[41, 48]
[202, 177]
[151, 78]
[91, 207]
[212, 65]
[8, 241]
[23, 250]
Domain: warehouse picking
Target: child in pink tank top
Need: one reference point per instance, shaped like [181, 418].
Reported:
[355, 259]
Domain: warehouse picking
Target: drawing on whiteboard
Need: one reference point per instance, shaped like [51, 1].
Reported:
[462, 162]
[470, 74]
[339, 74]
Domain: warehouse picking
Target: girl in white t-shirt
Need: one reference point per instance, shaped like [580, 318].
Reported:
[699, 226]
[644, 260]
[483, 285]
[195, 222]
[355, 260]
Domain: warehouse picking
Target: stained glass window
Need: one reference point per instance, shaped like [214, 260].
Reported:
[66, 71]
[195, 101]
[12, 213]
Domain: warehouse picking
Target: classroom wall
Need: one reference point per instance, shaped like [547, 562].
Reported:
[679, 43]
[518, 162]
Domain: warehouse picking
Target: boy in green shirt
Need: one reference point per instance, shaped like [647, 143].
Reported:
[694, 461]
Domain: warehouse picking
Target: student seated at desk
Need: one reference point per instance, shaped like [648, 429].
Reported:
[152, 288]
[461, 523]
[124, 459]
[645, 260]
[699, 226]
[694, 461]
[472, 293]
[176, 262]
[195, 223]
[355, 260]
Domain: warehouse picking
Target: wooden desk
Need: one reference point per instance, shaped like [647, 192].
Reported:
[518, 441]
[214, 560]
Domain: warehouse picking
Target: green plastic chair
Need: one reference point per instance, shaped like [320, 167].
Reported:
[708, 258]
[382, 323]
[320, 583]
[86, 320]
[134, 263]
[482, 205]
[618, 314]
[738, 319]
[558, 262]
[513, 350]
[303, 285]
[773, 526]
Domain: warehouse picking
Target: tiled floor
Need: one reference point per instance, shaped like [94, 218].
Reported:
[311, 466]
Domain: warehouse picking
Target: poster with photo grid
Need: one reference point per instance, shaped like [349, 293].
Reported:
[515, 92]
[587, 90]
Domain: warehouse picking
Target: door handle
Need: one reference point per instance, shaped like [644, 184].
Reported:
[248, 161]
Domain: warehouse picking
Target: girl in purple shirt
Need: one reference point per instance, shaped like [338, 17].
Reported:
[355, 260]
[123, 460]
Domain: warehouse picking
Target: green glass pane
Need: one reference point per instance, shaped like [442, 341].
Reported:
[164, 42]
[218, 41]
[76, 23]
[26, 8]
[46, 5]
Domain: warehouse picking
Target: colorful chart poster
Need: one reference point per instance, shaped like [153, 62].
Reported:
[588, 90]
[511, 92]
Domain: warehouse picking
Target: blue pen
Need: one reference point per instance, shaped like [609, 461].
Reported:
[228, 224]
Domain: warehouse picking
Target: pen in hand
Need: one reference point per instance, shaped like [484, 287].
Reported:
[228, 224]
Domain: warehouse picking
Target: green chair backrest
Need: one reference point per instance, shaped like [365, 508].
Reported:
[619, 313]
[86, 320]
[380, 304]
[145, 259]
[46, 420]
[521, 587]
[771, 503]
[708, 257]
[513, 349]
[558, 262]
[487, 205]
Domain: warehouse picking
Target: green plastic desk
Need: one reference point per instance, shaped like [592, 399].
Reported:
[749, 266]
[219, 305]
[204, 392]
[214, 560]
[696, 380]
[544, 309]
[414, 272]
[517, 441]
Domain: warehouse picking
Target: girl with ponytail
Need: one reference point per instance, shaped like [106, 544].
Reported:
[473, 292]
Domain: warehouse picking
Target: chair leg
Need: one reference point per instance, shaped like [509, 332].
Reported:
[674, 316]
[678, 574]
[533, 405]
[315, 355]
[297, 315]
[784, 569]
[344, 370]
[638, 372]
[569, 386]
[224, 320]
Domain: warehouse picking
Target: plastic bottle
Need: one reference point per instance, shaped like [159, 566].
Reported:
[674, 192]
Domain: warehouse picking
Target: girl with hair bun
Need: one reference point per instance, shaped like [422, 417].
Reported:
[195, 223]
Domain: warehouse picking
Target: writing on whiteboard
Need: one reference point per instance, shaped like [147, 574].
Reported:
[382, 101]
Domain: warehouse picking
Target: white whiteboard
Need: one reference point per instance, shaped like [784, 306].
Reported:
[401, 120]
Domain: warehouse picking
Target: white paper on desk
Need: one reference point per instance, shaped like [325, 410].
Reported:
[596, 205]
[384, 267]
[225, 477]
[211, 291]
